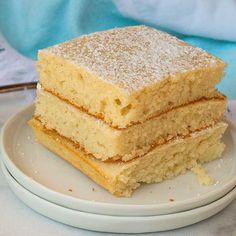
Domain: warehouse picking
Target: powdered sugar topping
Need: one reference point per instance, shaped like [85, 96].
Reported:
[132, 57]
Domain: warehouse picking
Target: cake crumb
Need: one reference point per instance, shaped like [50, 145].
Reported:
[70, 190]
[93, 189]
[202, 175]
[171, 199]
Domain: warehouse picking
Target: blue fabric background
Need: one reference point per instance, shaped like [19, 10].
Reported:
[33, 24]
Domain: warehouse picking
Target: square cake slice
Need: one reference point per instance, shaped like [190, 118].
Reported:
[104, 142]
[121, 178]
[128, 75]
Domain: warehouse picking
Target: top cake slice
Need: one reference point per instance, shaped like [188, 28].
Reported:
[128, 75]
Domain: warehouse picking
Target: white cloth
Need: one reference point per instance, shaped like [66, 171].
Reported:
[207, 18]
[14, 67]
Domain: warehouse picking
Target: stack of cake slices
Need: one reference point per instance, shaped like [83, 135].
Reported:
[129, 106]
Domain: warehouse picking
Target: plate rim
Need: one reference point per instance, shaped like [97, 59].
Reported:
[151, 222]
[98, 207]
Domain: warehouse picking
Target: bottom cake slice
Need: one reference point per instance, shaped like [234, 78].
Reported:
[121, 178]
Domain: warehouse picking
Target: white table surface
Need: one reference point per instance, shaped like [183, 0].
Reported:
[18, 219]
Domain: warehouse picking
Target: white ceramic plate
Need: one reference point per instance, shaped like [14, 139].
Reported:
[51, 178]
[116, 224]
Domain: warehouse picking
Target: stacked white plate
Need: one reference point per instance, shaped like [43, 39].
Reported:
[55, 189]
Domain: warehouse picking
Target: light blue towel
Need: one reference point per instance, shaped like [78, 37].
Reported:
[30, 25]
